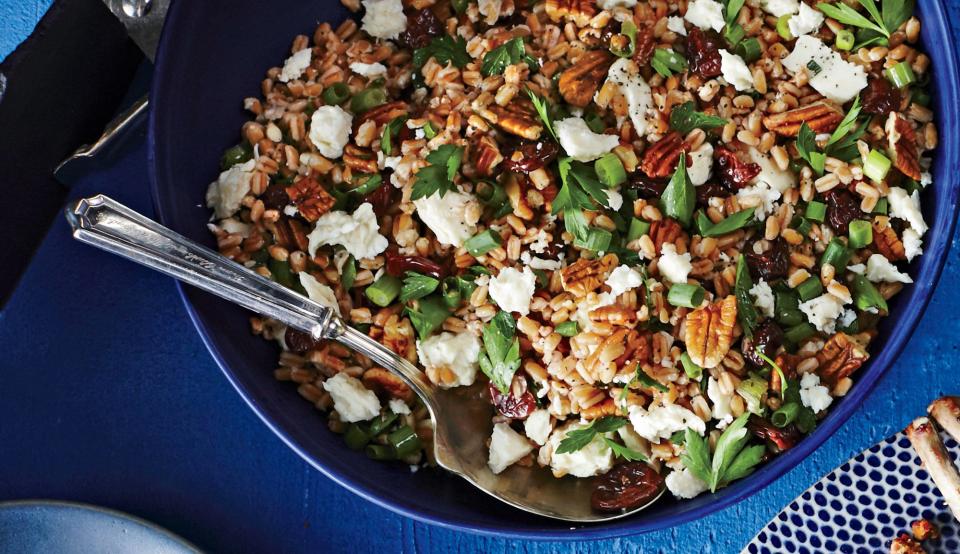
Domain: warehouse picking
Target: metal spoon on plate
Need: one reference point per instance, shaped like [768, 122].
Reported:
[461, 416]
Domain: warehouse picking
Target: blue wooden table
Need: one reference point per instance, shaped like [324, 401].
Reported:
[107, 396]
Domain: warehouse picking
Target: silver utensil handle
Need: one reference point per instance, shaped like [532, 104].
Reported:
[105, 223]
[109, 225]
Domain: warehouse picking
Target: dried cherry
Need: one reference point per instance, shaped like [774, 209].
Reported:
[710, 190]
[772, 264]
[512, 406]
[734, 173]
[646, 187]
[299, 342]
[880, 97]
[398, 264]
[842, 208]
[533, 156]
[275, 197]
[767, 338]
[780, 439]
[625, 487]
[422, 25]
[703, 52]
[384, 196]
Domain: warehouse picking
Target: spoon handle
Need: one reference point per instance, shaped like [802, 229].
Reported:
[109, 225]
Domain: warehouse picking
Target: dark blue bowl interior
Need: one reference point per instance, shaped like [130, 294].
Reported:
[210, 58]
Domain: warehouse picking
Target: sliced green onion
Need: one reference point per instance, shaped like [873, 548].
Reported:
[752, 390]
[801, 224]
[785, 415]
[811, 288]
[610, 170]
[686, 295]
[901, 75]
[628, 30]
[367, 99]
[384, 290]
[597, 240]
[594, 122]
[236, 155]
[845, 40]
[861, 233]
[881, 207]
[638, 228]
[748, 49]
[692, 370]
[452, 295]
[381, 423]
[799, 333]
[836, 254]
[816, 211]
[355, 437]
[372, 183]
[921, 96]
[429, 131]
[876, 166]
[783, 26]
[734, 33]
[866, 296]
[787, 309]
[404, 441]
[567, 329]
[349, 273]
[336, 94]
[483, 242]
[280, 272]
[380, 452]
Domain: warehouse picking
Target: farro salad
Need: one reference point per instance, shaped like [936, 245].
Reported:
[658, 235]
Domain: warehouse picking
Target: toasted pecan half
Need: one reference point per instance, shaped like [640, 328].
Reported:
[580, 82]
[821, 117]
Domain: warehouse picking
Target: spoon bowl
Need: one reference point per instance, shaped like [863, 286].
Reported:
[461, 417]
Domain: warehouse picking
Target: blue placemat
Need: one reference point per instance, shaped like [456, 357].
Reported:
[107, 396]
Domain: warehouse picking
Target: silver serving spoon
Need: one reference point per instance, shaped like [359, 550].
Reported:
[461, 416]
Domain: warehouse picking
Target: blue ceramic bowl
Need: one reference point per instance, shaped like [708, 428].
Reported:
[210, 58]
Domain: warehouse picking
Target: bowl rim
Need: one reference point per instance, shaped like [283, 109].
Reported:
[931, 268]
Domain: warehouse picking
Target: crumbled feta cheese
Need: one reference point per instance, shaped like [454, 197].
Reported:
[780, 180]
[808, 21]
[231, 225]
[761, 196]
[614, 200]
[330, 130]
[594, 458]
[763, 297]
[512, 289]
[907, 208]
[626, 75]
[721, 403]
[814, 395]
[507, 447]
[490, 10]
[539, 263]
[674, 267]
[446, 216]
[384, 18]
[318, 292]
[295, 65]
[611, 4]
[857, 268]
[580, 142]
[735, 71]
[823, 311]
[290, 210]
[780, 7]
[912, 244]
[368, 69]
[457, 353]
[706, 14]
[830, 75]
[359, 233]
[684, 484]
[701, 164]
[660, 422]
[225, 194]
[675, 24]
[351, 399]
[537, 426]
[848, 317]
[398, 406]
[879, 269]
[926, 179]
[622, 279]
